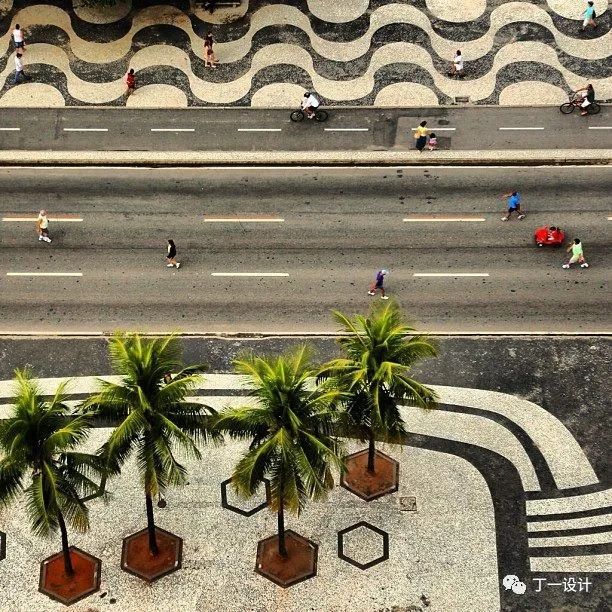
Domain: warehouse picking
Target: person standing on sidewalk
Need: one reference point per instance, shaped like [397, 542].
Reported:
[378, 284]
[577, 255]
[20, 75]
[18, 39]
[171, 256]
[130, 82]
[421, 136]
[514, 205]
[42, 226]
[589, 17]
[210, 60]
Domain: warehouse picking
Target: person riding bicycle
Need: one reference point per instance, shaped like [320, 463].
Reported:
[310, 103]
[588, 97]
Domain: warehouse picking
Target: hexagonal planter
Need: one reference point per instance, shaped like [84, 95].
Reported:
[300, 565]
[70, 589]
[369, 486]
[375, 559]
[245, 510]
[136, 558]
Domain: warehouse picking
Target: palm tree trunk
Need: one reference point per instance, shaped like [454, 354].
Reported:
[154, 550]
[371, 456]
[282, 548]
[68, 569]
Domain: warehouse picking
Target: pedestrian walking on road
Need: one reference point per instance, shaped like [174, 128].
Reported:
[457, 66]
[589, 17]
[210, 60]
[171, 256]
[577, 255]
[514, 205]
[18, 39]
[130, 82]
[421, 136]
[42, 226]
[378, 284]
[432, 143]
[20, 75]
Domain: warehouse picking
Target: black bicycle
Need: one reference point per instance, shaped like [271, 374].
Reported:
[300, 115]
[576, 102]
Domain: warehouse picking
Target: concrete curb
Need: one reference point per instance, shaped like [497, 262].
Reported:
[298, 158]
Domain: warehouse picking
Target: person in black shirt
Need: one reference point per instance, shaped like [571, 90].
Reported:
[171, 255]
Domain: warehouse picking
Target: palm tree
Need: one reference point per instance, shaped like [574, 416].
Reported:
[154, 416]
[374, 373]
[40, 438]
[290, 429]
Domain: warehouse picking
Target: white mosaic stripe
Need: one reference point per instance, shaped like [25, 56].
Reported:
[577, 540]
[582, 522]
[574, 503]
[566, 565]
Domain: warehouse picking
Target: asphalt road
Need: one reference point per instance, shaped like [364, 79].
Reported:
[352, 129]
[339, 226]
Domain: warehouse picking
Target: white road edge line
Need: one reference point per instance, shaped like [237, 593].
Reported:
[346, 129]
[173, 129]
[85, 129]
[44, 274]
[440, 219]
[451, 274]
[520, 128]
[249, 274]
[234, 220]
[5, 129]
[33, 219]
[260, 129]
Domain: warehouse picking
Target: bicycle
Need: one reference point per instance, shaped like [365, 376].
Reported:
[300, 115]
[568, 107]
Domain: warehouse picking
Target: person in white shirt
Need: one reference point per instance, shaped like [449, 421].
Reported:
[310, 103]
[42, 226]
[20, 75]
[18, 39]
[457, 69]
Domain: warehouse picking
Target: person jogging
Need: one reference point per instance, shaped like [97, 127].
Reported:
[378, 284]
[171, 256]
[514, 205]
[42, 227]
[577, 255]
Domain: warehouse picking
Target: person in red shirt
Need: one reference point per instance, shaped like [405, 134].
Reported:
[130, 81]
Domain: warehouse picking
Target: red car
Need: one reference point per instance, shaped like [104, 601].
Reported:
[549, 236]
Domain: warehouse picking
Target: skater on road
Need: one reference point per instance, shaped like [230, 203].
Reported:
[577, 255]
[171, 256]
[514, 205]
[42, 227]
[378, 284]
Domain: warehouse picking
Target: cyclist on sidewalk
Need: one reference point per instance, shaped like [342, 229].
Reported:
[514, 205]
[310, 103]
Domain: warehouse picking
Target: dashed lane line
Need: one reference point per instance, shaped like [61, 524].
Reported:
[173, 129]
[450, 274]
[519, 128]
[439, 129]
[243, 220]
[33, 219]
[600, 127]
[9, 129]
[85, 129]
[443, 219]
[346, 129]
[260, 129]
[44, 274]
[244, 274]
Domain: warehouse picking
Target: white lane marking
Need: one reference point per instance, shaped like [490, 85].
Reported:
[260, 129]
[249, 274]
[44, 274]
[438, 129]
[521, 128]
[85, 129]
[451, 274]
[346, 129]
[601, 127]
[173, 129]
[5, 129]
[33, 219]
[442, 219]
[240, 220]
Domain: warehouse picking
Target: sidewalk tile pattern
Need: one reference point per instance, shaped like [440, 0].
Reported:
[376, 52]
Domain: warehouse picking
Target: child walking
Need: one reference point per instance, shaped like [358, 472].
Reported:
[577, 255]
[171, 256]
[432, 145]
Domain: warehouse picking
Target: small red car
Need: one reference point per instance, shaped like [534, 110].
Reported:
[549, 236]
